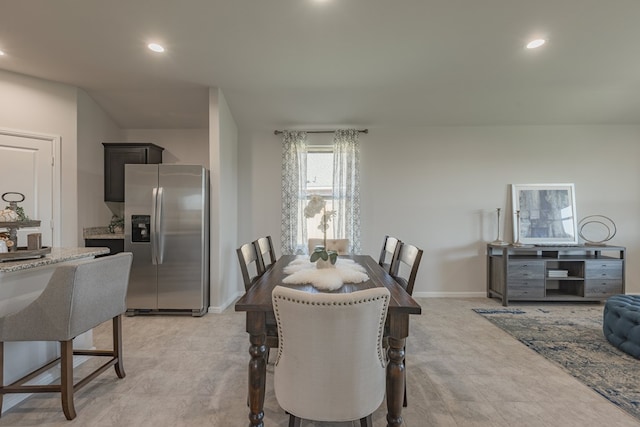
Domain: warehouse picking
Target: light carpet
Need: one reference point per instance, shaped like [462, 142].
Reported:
[573, 338]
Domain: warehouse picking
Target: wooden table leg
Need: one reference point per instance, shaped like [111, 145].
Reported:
[399, 329]
[256, 327]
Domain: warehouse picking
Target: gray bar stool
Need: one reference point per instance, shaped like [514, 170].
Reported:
[77, 298]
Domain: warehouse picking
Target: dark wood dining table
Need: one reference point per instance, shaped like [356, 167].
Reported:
[257, 304]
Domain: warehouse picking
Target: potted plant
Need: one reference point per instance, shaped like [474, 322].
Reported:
[116, 225]
[320, 254]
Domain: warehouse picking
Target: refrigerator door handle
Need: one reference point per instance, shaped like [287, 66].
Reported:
[154, 227]
[159, 231]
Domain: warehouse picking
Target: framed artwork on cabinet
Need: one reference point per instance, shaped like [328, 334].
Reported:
[544, 214]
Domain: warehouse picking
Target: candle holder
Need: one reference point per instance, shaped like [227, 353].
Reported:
[499, 241]
[517, 243]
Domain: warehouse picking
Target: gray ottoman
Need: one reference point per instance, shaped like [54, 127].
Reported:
[621, 323]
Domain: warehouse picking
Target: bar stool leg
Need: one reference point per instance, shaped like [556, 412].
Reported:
[117, 346]
[1, 374]
[66, 378]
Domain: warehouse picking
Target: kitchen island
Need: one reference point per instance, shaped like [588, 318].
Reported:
[56, 256]
[21, 282]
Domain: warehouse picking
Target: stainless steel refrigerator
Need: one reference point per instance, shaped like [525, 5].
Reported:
[167, 228]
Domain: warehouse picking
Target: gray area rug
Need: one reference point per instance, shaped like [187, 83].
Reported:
[572, 337]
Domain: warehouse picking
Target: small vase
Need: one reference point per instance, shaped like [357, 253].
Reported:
[324, 264]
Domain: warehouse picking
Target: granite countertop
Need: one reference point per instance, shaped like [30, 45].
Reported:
[57, 255]
[100, 233]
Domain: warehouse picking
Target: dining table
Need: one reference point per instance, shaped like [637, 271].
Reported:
[256, 302]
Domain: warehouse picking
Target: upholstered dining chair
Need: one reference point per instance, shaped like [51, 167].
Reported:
[339, 245]
[389, 253]
[264, 247]
[77, 298]
[248, 259]
[330, 364]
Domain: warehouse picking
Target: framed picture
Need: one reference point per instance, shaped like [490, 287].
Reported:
[547, 214]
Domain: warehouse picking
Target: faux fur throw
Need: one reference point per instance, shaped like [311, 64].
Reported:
[301, 271]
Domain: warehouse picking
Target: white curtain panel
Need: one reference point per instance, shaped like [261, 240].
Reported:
[294, 188]
[346, 187]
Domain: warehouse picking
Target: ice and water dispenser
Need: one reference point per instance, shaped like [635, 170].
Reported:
[140, 228]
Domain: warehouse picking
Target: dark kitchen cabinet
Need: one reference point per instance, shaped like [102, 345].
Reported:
[116, 155]
[115, 245]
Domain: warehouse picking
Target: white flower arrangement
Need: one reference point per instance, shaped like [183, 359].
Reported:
[315, 206]
[8, 215]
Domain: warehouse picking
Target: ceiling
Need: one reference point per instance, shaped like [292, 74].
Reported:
[318, 64]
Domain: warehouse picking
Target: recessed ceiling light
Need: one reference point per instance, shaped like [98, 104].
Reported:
[535, 43]
[156, 47]
[1, 53]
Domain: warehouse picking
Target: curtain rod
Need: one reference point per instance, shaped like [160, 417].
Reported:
[278, 132]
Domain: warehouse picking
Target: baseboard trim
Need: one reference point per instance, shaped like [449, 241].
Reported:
[219, 309]
[450, 294]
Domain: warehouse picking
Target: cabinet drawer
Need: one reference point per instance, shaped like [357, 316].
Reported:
[602, 288]
[603, 270]
[525, 270]
[529, 289]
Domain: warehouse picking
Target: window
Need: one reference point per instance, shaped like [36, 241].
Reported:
[319, 181]
[331, 171]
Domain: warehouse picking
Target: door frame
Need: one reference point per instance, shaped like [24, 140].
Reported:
[54, 140]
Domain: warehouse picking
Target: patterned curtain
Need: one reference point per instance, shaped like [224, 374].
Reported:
[346, 187]
[294, 186]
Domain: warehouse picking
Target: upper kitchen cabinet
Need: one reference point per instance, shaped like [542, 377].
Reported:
[116, 155]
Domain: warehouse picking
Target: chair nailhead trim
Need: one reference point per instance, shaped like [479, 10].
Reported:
[281, 341]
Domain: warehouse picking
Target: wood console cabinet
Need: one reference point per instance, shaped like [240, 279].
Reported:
[554, 273]
[116, 155]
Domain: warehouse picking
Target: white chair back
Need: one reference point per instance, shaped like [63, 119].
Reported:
[331, 364]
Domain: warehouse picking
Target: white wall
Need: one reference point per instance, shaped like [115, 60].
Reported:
[94, 128]
[223, 160]
[39, 106]
[34, 105]
[438, 188]
[185, 146]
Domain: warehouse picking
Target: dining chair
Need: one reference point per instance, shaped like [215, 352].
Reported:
[264, 246]
[339, 245]
[404, 270]
[251, 272]
[77, 298]
[330, 365]
[248, 259]
[389, 253]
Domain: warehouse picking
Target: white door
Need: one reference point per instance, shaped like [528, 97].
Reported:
[28, 166]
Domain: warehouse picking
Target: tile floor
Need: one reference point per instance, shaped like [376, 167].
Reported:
[462, 371]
